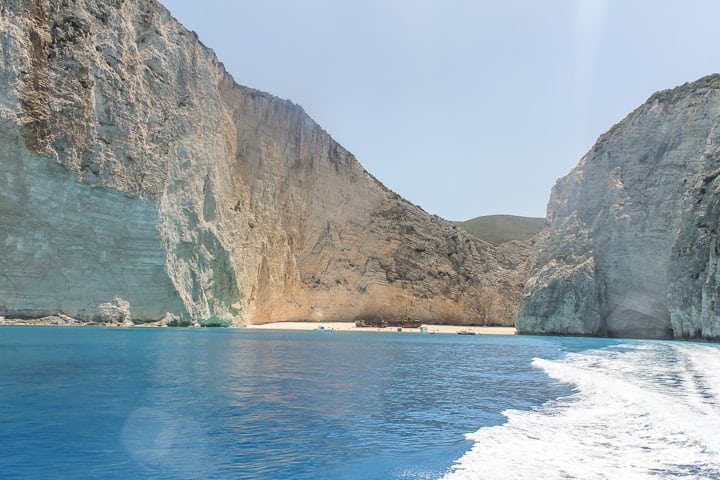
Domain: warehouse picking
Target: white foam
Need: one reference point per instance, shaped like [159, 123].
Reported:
[642, 410]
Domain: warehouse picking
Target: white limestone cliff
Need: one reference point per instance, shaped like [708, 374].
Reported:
[631, 248]
[140, 183]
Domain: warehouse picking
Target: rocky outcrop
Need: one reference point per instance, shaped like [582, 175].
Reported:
[140, 183]
[632, 244]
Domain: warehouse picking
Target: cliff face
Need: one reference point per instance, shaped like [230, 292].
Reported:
[632, 243]
[139, 182]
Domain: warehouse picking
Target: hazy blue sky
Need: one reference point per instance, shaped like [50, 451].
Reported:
[464, 107]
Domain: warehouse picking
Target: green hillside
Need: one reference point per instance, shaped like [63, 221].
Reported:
[497, 229]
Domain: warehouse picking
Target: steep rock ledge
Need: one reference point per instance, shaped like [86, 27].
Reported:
[141, 183]
[631, 248]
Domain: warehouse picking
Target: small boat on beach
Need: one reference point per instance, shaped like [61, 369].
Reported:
[466, 332]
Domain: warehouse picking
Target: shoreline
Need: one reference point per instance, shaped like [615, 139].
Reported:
[65, 321]
[350, 327]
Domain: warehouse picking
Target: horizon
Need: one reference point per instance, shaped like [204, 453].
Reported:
[432, 98]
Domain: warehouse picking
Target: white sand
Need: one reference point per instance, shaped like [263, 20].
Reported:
[350, 327]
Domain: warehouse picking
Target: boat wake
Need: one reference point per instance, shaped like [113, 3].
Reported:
[640, 410]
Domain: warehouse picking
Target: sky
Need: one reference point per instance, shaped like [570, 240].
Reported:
[464, 107]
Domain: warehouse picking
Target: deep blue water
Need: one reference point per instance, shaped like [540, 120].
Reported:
[244, 404]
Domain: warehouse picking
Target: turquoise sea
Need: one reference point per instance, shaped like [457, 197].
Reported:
[241, 404]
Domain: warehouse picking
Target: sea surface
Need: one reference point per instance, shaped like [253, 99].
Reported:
[137, 403]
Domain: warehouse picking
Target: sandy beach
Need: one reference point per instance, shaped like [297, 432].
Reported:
[65, 321]
[350, 327]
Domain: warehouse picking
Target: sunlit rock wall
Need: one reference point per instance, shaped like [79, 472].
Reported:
[138, 176]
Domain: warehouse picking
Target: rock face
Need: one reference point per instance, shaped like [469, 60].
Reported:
[139, 182]
[632, 244]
